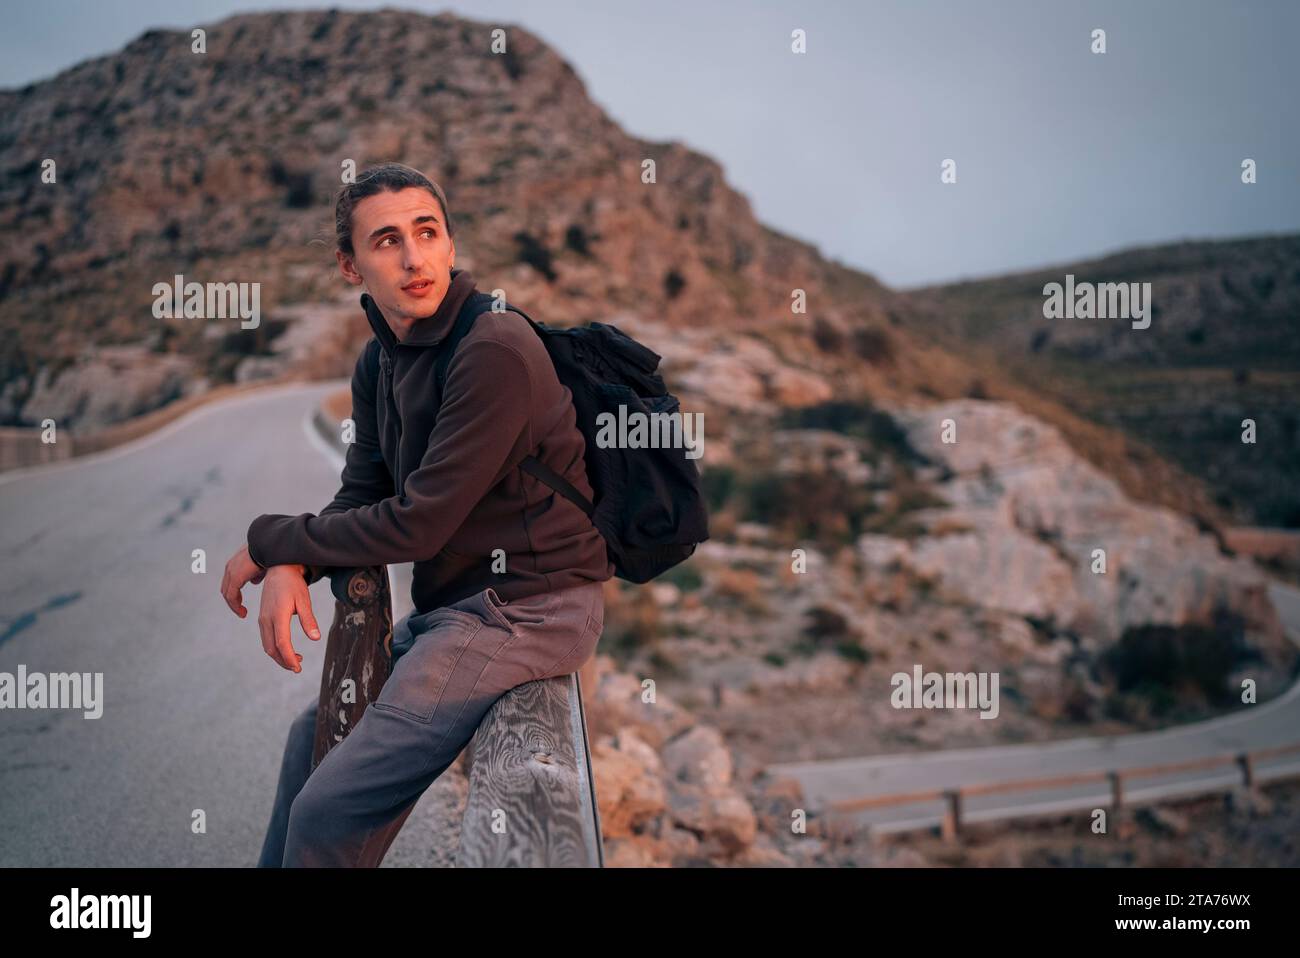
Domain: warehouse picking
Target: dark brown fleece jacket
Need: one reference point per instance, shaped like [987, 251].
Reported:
[461, 507]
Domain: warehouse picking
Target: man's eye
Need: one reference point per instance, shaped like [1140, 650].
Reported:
[431, 231]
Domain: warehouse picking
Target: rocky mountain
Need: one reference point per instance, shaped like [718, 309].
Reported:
[222, 167]
[1223, 345]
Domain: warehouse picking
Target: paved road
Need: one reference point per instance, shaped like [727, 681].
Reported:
[1259, 726]
[97, 578]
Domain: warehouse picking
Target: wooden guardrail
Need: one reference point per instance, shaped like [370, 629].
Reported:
[532, 797]
[951, 823]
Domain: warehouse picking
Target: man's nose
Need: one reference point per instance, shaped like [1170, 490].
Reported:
[412, 258]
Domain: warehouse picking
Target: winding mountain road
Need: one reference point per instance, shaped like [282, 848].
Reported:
[1259, 726]
[97, 577]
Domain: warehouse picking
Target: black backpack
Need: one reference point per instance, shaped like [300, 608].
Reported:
[648, 506]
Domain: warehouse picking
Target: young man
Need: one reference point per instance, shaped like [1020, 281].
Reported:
[443, 488]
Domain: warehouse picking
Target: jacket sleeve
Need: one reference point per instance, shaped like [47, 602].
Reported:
[483, 431]
[365, 477]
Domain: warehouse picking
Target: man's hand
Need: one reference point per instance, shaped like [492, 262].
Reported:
[285, 594]
[240, 569]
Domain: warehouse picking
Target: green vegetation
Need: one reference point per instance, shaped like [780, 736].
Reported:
[854, 652]
[1163, 666]
[858, 419]
[685, 576]
[826, 508]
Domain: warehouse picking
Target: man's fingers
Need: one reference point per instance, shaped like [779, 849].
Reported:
[275, 621]
[307, 617]
[282, 640]
[268, 638]
[232, 591]
[232, 595]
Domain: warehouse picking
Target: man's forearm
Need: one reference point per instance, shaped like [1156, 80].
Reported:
[311, 572]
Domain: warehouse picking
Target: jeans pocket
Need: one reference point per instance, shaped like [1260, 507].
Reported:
[416, 684]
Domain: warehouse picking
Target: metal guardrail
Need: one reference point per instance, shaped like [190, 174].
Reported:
[532, 798]
[951, 824]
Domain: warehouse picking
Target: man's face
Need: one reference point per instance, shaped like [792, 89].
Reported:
[403, 254]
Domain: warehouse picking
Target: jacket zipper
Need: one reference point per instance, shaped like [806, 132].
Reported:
[391, 401]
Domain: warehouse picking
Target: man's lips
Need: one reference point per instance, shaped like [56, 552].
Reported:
[420, 289]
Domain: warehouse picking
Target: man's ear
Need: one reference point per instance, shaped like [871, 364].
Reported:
[348, 268]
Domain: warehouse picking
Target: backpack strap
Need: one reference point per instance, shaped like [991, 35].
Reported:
[546, 474]
[530, 463]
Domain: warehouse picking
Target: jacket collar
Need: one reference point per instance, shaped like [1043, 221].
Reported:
[428, 330]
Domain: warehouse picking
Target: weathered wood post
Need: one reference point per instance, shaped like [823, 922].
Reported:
[951, 825]
[1247, 769]
[359, 649]
[532, 796]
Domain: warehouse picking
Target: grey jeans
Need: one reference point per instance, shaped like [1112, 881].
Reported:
[450, 666]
